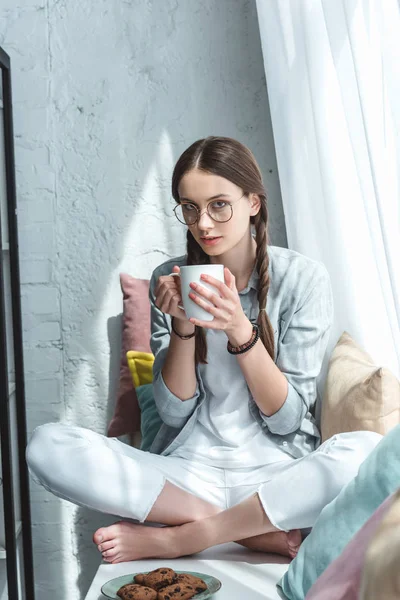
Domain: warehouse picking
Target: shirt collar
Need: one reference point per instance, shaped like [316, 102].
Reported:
[252, 283]
[254, 279]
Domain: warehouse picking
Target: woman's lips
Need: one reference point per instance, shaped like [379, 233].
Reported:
[210, 241]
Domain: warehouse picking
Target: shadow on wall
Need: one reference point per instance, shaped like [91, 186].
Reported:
[114, 329]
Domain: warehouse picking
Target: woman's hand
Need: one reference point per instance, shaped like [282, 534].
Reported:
[226, 307]
[168, 295]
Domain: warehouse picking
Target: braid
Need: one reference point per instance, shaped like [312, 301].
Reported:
[262, 264]
[231, 160]
[196, 256]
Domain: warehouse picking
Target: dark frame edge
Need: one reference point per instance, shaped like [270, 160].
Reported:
[5, 65]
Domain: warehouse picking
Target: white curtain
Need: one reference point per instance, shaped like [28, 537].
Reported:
[333, 76]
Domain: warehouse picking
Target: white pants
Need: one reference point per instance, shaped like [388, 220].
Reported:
[107, 475]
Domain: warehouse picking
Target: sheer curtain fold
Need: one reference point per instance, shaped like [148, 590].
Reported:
[333, 76]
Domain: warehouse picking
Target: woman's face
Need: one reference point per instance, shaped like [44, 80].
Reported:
[217, 238]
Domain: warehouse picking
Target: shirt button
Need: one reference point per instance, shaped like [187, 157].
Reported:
[284, 444]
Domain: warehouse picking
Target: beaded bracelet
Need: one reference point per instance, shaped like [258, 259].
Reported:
[183, 337]
[246, 346]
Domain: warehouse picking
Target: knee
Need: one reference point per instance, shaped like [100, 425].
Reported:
[41, 449]
[351, 449]
[359, 443]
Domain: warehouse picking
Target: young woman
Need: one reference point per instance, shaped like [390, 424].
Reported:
[238, 456]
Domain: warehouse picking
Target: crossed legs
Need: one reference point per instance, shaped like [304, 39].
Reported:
[106, 475]
[191, 529]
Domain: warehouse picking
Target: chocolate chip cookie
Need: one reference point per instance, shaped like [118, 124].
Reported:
[198, 584]
[177, 591]
[133, 591]
[157, 579]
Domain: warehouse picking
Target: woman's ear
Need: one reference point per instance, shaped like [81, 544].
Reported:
[255, 204]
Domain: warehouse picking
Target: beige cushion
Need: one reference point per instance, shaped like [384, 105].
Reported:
[359, 395]
[380, 578]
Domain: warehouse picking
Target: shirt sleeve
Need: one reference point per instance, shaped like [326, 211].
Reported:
[300, 354]
[172, 410]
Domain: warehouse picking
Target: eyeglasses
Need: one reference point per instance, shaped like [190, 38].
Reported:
[220, 211]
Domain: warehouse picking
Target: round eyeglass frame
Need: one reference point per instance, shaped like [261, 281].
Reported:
[200, 212]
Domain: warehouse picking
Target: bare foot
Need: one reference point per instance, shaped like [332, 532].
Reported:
[277, 542]
[125, 541]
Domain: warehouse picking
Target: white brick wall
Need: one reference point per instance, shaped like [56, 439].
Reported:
[106, 97]
[35, 271]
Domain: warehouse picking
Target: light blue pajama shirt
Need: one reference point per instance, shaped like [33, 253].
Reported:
[300, 308]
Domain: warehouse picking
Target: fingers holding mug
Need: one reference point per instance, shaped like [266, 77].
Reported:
[168, 294]
[176, 272]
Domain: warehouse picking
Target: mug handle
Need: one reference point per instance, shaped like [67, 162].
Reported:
[177, 275]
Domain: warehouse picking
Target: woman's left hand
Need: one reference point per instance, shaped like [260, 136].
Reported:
[226, 307]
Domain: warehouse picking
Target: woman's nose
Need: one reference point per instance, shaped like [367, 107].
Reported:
[205, 221]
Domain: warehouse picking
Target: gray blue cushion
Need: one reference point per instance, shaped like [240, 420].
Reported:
[378, 477]
[150, 419]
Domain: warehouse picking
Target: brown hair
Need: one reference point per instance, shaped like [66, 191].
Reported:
[232, 160]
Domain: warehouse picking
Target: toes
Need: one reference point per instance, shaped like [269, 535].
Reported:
[105, 534]
[109, 555]
[294, 538]
[119, 558]
[106, 546]
[294, 542]
[100, 535]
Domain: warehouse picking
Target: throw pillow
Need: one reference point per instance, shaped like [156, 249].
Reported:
[380, 579]
[150, 419]
[378, 477]
[359, 395]
[141, 367]
[341, 580]
[135, 336]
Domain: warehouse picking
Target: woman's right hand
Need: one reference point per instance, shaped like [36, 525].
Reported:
[168, 295]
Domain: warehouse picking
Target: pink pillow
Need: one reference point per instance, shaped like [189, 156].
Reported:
[135, 336]
[341, 580]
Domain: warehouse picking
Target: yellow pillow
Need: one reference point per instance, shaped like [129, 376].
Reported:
[141, 367]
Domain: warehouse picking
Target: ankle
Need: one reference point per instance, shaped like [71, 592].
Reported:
[189, 538]
[172, 541]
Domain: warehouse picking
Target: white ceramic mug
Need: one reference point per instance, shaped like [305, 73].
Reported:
[192, 273]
